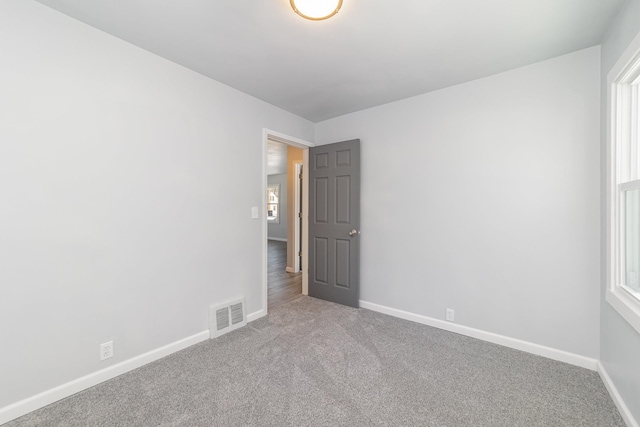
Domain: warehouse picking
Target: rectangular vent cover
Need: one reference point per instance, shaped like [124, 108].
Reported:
[222, 318]
[226, 317]
[237, 313]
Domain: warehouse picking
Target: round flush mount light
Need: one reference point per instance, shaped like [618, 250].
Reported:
[316, 10]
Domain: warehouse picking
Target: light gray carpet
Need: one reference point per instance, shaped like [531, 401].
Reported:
[314, 363]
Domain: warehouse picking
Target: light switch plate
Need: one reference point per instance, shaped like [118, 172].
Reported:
[254, 212]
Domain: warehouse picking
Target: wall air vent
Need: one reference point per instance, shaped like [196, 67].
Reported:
[226, 317]
[222, 318]
[237, 313]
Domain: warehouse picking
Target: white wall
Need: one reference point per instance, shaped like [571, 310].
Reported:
[620, 343]
[481, 197]
[114, 166]
[484, 198]
[279, 230]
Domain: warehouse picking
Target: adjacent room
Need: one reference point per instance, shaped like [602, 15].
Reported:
[299, 213]
[284, 223]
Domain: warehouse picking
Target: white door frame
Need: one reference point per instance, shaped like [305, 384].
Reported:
[298, 210]
[267, 135]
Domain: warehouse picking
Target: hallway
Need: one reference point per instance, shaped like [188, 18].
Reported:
[282, 286]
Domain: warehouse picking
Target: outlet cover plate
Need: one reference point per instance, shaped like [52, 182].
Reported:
[106, 350]
[450, 315]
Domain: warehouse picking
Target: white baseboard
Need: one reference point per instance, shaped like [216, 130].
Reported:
[626, 414]
[256, 315]
[277, 239]
[45, 398]
[529, 347]
[48, 397]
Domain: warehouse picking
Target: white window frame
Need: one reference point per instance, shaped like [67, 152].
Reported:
[273, 220]
[623, 126]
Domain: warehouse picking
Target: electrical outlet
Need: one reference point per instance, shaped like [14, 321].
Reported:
[106, 350]
[450, 314]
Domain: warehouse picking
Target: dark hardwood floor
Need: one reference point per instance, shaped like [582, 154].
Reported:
[282, 287]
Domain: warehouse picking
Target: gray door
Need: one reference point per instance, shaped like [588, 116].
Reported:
[334, 222]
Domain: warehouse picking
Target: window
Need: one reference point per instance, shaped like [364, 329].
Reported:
[623, 290]
[273, 205]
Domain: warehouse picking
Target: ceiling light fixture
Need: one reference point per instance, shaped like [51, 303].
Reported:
[316, 10]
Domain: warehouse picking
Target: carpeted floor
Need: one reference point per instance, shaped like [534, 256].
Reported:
[314, 363]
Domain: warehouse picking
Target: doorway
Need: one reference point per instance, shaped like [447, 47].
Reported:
[285, 252]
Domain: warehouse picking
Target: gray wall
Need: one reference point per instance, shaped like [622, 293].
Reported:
[279, 231]
[484, 197]
[620, 343]
[117, 221]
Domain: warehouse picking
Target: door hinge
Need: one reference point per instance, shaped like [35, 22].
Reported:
[300, 253]
[299, 214]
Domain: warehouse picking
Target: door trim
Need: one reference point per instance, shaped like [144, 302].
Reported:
[268, 134]
[298, 210]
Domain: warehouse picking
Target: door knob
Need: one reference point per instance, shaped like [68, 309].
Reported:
[353, 232]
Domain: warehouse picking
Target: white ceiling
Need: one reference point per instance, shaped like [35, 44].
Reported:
[372, 52]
